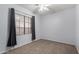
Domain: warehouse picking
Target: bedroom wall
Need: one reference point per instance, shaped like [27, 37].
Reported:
[77, 27]
[21, 40]
[60, 26]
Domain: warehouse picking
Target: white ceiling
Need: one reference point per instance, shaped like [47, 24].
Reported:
[52, 8]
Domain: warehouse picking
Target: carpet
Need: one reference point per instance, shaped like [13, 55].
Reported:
[43, 46]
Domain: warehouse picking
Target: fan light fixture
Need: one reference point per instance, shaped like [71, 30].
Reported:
[43, 7]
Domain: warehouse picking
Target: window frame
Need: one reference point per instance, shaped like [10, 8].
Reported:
[24, 25]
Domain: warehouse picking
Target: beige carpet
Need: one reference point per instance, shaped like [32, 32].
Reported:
[44, 47]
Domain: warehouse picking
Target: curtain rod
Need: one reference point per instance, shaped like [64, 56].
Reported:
[23, 13]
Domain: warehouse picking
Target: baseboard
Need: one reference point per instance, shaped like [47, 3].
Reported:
[60, 42]
[4, 52]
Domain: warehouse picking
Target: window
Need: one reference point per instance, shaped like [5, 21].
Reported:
[23, 24]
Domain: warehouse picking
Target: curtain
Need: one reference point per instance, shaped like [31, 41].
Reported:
[12, 30]
[33, 27]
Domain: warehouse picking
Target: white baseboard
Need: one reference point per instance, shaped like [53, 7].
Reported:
[10, 49]
[3, 52]
[13, 48]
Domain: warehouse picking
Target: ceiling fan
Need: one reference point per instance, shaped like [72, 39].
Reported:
[42, 7]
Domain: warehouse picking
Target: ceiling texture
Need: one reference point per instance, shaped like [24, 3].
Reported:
[53, 8]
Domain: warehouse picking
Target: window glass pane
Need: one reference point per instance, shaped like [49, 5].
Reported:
[26, 30]
[26, 25]
[21, 24]
[17, 31]
[21, 18]
[17, 24]
[17, 17]
[26, 19]
[21, 30]
[29, 25]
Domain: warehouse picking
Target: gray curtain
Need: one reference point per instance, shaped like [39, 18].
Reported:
[12, 30]
[33, 27]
